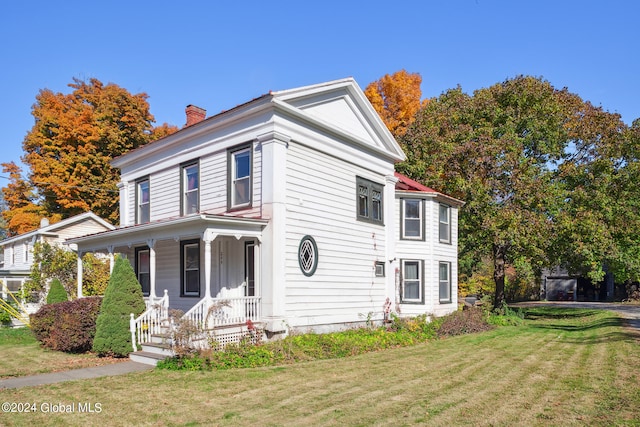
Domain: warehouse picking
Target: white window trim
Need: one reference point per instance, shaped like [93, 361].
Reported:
[420, 280]
[139, 203]
[233, 179]
[441, 223]
[446, 300]
[420, 219]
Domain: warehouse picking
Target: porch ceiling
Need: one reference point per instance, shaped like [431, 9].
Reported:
[203, 226]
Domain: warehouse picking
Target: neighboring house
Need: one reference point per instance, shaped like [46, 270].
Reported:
[287, 211]
[17, 260]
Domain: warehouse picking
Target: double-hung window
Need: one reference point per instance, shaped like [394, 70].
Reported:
[190, 268]
[412, 223]
[143, 269]
[143, 212]
[240, 166]
[412, 287]
[190, 188]
[444, 221]
[444, 269]
[370, 200]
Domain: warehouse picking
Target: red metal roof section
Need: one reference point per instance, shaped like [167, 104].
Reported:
[407, 184]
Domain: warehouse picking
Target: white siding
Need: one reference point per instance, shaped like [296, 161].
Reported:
[131, 206]
[431, 252]
[321, 202]
[213, 182]
[87, 226]
[164, 189]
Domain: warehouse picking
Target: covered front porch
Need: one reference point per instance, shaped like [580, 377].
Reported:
[205, 268]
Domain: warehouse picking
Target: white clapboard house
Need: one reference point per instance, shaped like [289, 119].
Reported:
[285, 211]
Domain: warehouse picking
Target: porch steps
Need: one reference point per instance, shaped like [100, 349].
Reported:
[152, 352]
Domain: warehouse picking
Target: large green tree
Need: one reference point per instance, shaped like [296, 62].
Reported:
[496, 150]
[598, 227]
[73, 140]
[548, 178]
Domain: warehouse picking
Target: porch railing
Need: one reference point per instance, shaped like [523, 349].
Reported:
[210, 313]
[151, 322]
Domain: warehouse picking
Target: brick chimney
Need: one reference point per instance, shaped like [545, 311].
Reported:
[194, 114]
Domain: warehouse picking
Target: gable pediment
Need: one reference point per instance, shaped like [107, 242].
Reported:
[341, 106]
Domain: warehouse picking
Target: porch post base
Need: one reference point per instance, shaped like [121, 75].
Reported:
[275, 325]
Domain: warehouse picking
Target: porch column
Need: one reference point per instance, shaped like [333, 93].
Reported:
[152, 269]
[79, 262]
[208, 237]
[4, 288]
[111, 259]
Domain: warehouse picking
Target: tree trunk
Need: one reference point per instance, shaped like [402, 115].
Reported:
[499, 256]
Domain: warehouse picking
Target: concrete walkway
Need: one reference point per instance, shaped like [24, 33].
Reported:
[75, 374]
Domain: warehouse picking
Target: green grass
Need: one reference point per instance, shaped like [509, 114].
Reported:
[561, 367]
[21, 354]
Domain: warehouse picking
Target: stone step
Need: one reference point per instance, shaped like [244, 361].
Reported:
[161, 338]
[147, 358]
[158, 348]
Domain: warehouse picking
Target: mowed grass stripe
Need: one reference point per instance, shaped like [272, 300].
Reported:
[538, 374]
[498, 382]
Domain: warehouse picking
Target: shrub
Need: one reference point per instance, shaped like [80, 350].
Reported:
[5, 317]
[57, 293]
[67, 326]
[464, 322]
[506, 316]
[305, 347]
[122, 297]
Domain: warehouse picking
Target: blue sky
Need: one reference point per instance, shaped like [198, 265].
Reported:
[218, 54]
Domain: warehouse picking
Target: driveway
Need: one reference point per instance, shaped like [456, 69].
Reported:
[630, 312]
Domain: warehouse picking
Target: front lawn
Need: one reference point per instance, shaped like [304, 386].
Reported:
[561, 367]
[21, 354]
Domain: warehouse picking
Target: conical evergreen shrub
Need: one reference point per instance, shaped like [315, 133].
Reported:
[122, 297]
[57, 293]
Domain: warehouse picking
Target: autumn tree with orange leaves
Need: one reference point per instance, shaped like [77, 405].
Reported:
[22, 213]
[69, 150]
[396, 98]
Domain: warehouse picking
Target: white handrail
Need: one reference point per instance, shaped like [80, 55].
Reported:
[150, 322]
[209, 313]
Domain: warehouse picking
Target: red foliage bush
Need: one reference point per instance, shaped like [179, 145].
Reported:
[67, 326]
